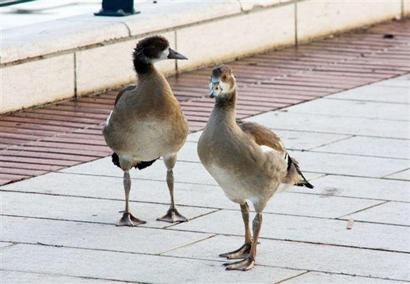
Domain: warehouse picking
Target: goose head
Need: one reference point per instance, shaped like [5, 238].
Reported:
[153, 49]
[223, 83]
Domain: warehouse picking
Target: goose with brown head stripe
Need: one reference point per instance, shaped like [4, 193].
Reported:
[147, 123]
[246, 159]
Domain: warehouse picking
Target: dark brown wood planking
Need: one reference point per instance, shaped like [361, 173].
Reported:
[48, 138]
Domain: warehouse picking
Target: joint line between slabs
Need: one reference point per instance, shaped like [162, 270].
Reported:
[69, 275]
[367, 101]
[363, 209]
[387, 176]
[332, 142]
[292, 277]
[196, 217]
[186, 245]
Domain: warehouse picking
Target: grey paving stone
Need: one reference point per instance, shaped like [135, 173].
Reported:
[291, 139]
[183, 171]
[111, 187]
[325, 278]
[333, 124]
[388, 213]
[94, 236]
[194, 137]
[378, 147]
[403, 175]
[324, 258]
[142, 190]
[324, 231]
[402, 81]
[14, 277]
[359, 187]
[392, 93]
[314, 205]
[86, 209]
[186, 194]
[348, 164]
[105, 187]
[348, 108]
[132, 267]
[300, 140]
[5, 244]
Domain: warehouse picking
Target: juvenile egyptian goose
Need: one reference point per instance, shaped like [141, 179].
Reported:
[246, 159]
[147, 123]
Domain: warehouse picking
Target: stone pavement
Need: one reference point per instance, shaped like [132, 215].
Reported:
[354, 147]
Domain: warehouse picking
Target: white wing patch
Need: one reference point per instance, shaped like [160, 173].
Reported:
[266, 149]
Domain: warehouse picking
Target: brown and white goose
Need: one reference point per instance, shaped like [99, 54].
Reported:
[147, 123]
[246, 159]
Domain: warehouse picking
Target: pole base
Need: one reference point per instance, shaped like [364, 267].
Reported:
[115, 13]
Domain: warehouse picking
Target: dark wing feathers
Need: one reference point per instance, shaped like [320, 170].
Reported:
[141, 165]
[304, 181]
[122, 92]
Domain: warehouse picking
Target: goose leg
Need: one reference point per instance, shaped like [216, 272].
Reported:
[249, 262]
[245, 249]
[172, 215]
[127, 218]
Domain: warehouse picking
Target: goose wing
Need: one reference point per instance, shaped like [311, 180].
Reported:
[128, 88]
[263, 136]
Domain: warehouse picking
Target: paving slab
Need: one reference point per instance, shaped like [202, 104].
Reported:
[293, 140]
[342, 164]
[283, 120]
[299, 140]
[183, 171]
[5, 244]
[324, 258]
[359, 187]
[314, 205]
[401, 81]
[349, 108]
[131, 267]
[318, 277]
[14, 277]
[402, 175]
[185, 194]
[306, 229]
[377, 147]
[379, 93]
[112, 188]
[94, 236]
[389, 213]
[85, 209]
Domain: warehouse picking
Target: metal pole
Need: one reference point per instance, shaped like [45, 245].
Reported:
[117, 8]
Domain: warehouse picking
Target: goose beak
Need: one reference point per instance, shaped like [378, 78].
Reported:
[211, 94]
[212, 85]
[175, 55]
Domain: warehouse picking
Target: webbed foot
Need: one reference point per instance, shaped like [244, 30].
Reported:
[173, 216]
[128, 220]
[243, 265]
[241, 252]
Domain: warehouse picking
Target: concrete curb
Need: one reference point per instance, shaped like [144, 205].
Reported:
[79, 55]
